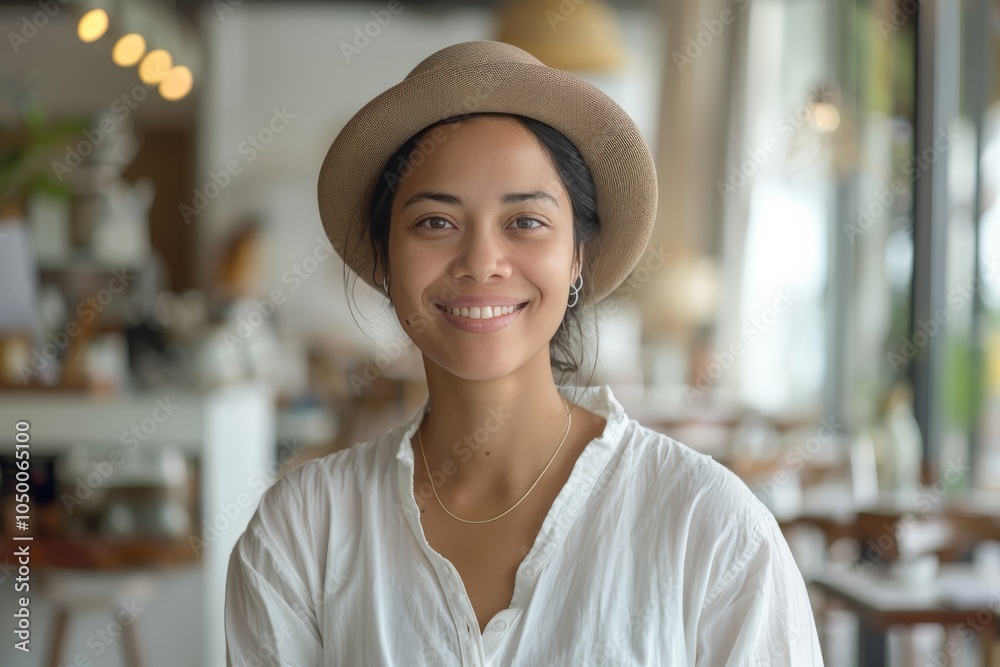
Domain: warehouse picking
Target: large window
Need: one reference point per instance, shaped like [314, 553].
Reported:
[868, 220]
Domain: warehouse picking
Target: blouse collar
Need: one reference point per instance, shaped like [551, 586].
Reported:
[597, 399]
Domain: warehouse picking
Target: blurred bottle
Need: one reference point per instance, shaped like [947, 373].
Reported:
[902, 445]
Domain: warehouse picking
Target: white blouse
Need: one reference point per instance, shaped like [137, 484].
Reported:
[651, 554]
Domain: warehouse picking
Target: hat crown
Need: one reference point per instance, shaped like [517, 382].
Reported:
[473, 53]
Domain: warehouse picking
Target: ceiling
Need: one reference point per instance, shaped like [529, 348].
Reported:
[69, 77]
[190, 6]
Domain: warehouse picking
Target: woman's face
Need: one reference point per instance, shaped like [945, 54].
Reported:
[482, 220]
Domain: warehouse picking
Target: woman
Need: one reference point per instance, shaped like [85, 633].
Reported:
[512, 520]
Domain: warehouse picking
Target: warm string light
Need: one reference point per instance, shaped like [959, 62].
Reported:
[177, 83]
[129, 49]
[92, 25]
[155, 67]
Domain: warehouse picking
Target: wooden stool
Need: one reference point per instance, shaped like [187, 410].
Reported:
[80, 574]
[73, 591]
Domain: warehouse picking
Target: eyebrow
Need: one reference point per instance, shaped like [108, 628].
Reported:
[509, 198]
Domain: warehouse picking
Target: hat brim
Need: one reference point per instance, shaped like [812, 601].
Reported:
[608, 139]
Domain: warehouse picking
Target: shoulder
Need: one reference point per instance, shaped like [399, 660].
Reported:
[320, 499]
[312, 513]
[700, 507]
[316, 490]
[675, 474]
[701, 519]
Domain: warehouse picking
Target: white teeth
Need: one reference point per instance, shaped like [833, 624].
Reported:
[484, 313]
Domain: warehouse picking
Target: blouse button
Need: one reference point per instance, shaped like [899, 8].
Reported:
[529, 571]
[500, 625]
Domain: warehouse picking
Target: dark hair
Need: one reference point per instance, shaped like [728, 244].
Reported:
[576, 178]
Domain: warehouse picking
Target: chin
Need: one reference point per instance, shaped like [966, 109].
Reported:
[471, 367]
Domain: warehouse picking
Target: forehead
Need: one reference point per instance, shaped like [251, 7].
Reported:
[481, 152]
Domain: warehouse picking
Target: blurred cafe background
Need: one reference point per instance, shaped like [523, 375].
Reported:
[818, 309]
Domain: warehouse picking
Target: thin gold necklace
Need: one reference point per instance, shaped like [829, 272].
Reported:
[569, 424]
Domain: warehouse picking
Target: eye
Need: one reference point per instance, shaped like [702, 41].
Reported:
[519, 220]
[435, 218]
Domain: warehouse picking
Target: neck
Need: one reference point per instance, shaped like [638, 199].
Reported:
[488, 440]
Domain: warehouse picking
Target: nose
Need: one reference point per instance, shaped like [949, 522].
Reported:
[483, 253]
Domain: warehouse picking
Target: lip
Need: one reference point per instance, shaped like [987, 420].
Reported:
[483, 326]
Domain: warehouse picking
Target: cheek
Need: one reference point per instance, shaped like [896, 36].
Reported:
[547, 265]
[406, 259]
[413, 273]
[418, 274]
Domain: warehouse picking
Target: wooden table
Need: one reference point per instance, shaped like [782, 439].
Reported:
[879, 601]
[976, 515]
[100, 554]
[833, 527]
[950, 531]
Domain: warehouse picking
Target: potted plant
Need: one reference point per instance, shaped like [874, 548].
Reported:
[28, 145]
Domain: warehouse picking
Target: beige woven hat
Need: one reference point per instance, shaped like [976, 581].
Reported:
[488, 76]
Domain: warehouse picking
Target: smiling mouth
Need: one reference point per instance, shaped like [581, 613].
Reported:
[484, 313]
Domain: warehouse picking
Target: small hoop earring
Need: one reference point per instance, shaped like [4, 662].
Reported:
[574, 290]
